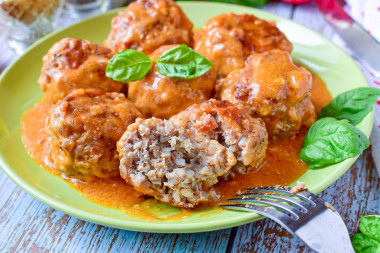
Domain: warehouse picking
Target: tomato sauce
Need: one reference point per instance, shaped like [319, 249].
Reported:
[282, 167]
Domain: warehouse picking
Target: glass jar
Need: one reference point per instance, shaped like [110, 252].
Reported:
[86, 8]
[28, 20]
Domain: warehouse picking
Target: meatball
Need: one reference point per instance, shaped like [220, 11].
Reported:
[83, 129]
[273, 88]
[145, 25]
[161, 96]
[228, 39]
[232, 126]
[171, 163]
[73, 64]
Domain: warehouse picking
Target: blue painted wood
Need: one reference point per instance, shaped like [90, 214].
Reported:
[308, 15]
[6, 188]
[279, 8]
[28, 225]
[198, 242]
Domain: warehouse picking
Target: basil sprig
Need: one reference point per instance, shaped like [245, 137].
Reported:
[182, 62]
[331, 141]
[179, 62]
[368, 241]
[352, 105]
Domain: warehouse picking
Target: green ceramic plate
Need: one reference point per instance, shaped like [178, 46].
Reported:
[19, 91]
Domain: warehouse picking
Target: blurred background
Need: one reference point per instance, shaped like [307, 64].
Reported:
[22, 22]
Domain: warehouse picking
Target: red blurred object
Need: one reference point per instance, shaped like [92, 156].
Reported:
[295, 1]
[334, 8]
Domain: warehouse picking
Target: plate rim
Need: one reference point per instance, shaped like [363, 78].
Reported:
[158, 227]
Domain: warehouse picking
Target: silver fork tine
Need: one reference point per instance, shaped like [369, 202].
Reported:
[285, 190]
[290, 210]
[310, 196]
[273, 214]
[293, 201]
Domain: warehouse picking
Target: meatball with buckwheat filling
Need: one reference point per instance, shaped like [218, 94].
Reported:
[273, 88]
[145, 25]
[75, 64]
[228, 39]
[171, 163]
[232, 126]
[83, 129]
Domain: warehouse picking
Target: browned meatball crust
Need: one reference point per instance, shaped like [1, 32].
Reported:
[83, 129]
[228, 39]
[73, 64]
[171, 163]
[145, 25]
[232, 126]
[273, 88]
[161, 96]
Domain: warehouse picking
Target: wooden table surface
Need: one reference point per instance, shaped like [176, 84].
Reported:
[27, 225]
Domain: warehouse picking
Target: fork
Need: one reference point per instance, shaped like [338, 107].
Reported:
[303, 214]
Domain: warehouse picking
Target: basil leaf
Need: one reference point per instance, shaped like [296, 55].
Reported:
[368, 241]
[330, 141]
[353, 105]
[182, 62]
[128, 66]
[370, 226]
[364, 244]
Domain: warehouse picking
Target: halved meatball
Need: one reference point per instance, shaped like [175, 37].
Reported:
[170, 163]
[74, 64]
[232, 126]
[228, 39]
[273, 88]
[161, 96]
[83, 129]
[145, 25]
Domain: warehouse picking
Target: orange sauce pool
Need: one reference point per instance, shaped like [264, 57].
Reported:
[282, 167]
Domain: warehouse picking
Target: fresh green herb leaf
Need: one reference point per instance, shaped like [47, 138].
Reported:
[370, 226]
[330, 141]
[364, 244]
[368, 241]
[352, 105]
[128, 66]
[182, 62]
